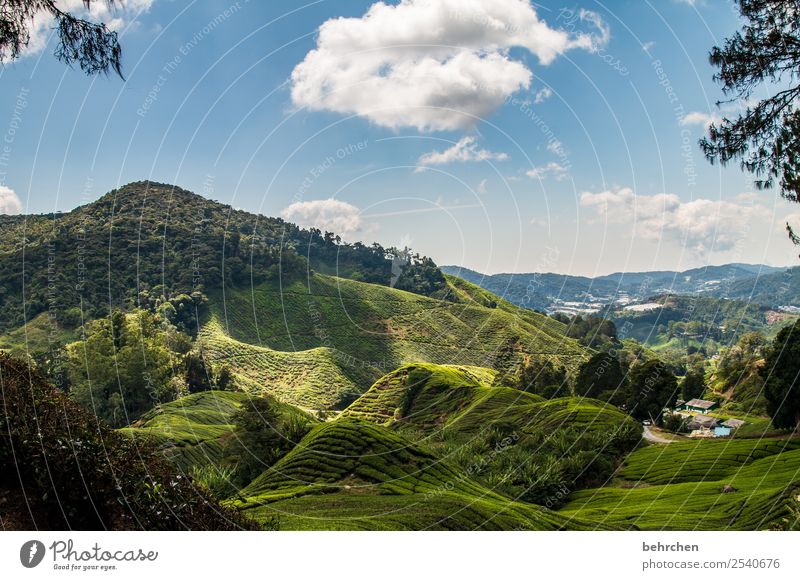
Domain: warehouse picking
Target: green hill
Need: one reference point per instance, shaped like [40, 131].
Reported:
[462, 398]
[256, 292]
[352, 475]
[322, 342]
[683, 486]
[150, 240]
[517, 443]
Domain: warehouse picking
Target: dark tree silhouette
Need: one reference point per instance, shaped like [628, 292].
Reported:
[91, 45]
[781, 373]
[766, 137]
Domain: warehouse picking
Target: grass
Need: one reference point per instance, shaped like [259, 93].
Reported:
[349, 474]
[680, 487]
[320, 344]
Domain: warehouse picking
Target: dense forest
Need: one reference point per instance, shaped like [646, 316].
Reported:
[148, 242]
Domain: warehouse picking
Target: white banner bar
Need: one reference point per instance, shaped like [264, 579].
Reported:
[390, 555]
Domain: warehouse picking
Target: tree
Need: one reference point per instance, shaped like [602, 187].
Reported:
[693, 385]
[764, 55]
[91, 45]
[199, 375]
[225, 380]
[602, 377]
[542, 377]
[264, 435]
[675, 423]
[653, 387]
[781, 374]
[123, 367]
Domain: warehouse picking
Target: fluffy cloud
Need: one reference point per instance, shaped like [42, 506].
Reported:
[329, 215]
[9, 201]
[430, 64]
[465, 150]
[698, 118]
[700, 224]
[552, 169]
[114, 17]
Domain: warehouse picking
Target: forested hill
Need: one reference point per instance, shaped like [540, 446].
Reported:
[148, 241]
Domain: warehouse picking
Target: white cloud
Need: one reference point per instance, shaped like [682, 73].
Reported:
[430, 64]
[698, 118]
[556, 170]
[330, 215]
[9, 201]
[115, 17]
[463, 151]
[555, 146]
[700, 224]
[542, 95]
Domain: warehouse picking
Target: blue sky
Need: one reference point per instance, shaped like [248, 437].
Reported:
[563, 139]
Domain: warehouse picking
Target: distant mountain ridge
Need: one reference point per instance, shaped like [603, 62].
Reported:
[765, 285]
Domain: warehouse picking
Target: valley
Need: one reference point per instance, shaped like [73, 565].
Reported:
[298, 384]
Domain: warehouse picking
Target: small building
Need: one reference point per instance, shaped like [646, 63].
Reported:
[699, 406]
[702, 422]
[720, 431]
[732, 423]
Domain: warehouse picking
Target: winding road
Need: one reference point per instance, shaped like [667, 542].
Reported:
[652, 437]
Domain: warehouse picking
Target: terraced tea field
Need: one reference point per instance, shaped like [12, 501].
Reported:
[322, 344]
[192, 429]
[353, 475]
[461, 399]
[700, 460]
[717, 485]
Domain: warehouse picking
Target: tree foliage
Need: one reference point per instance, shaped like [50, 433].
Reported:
[602, 377]
[543, 377]
[764, 54]
[123, 367]
[693, 385]
[781, 374]
[70, 471]
[90, 45]
[653, 387]
[164, 249]
[593, 331]
[266, 433]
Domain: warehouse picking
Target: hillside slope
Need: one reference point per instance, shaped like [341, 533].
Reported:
[352, 475]
[517, 443]
[708, 485]
[322, 342]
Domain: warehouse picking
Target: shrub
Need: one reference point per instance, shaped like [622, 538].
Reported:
[79, 474]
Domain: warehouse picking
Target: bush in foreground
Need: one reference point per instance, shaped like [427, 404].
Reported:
[75, 472]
